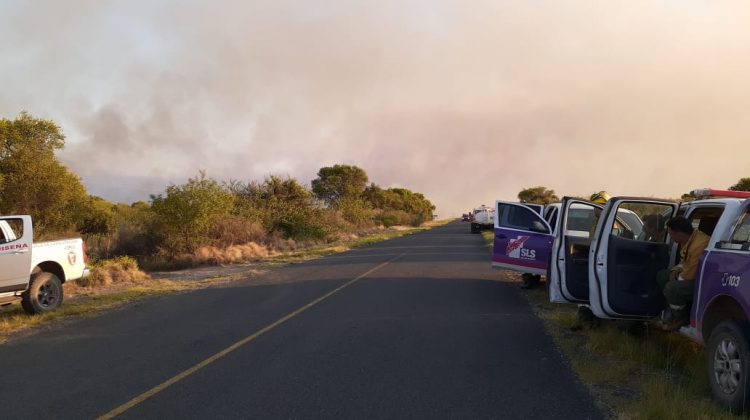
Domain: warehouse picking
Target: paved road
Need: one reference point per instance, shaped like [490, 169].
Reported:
[431, 333]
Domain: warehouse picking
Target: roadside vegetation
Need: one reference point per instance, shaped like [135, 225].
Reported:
[201, 221]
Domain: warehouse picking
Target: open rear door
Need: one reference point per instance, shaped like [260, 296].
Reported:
[569, 274]
[15, 252]
[523, 239]
[625, 257]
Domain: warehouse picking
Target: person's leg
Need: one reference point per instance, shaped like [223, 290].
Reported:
[679, 295]
[662, 278]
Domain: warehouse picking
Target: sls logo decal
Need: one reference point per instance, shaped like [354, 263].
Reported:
[515, 249]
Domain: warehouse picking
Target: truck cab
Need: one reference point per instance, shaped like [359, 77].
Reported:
[15, 253]
[622, 273]
[482, 218]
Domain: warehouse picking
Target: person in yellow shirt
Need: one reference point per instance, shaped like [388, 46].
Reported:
[678, 284]
[599, 198]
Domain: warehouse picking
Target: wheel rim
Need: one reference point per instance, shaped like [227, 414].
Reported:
[727, 366]
[48, 295]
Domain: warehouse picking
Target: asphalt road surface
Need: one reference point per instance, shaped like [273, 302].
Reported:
[416, 327]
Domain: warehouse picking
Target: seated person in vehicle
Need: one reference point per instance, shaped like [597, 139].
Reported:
[678, 283]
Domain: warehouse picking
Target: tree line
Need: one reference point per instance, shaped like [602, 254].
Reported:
[544, 195]
[199, 212]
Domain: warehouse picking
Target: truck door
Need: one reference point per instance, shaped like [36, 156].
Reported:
[15, 252]
[523, 239]
[569, 274]
[626, 255]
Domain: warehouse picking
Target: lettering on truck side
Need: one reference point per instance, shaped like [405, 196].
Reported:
[730, 280]
[13, 247]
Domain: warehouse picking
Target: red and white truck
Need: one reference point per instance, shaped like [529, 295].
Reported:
[34, 273]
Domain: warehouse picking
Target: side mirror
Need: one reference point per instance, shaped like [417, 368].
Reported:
[538, 227]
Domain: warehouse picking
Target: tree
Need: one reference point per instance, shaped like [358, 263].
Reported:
[338, 182]
[32, 180]
[399, 205]
[97, 217]
[742, 185]
[187, 213]
[280, 205]
[538, 195]
[687, 197]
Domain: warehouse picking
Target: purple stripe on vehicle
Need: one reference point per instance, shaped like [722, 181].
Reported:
[522, 263]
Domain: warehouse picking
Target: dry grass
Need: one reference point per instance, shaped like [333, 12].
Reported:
[635, 373]
[232, 254]
[121, 270]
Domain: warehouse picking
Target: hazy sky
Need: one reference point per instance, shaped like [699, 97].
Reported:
[466, 101]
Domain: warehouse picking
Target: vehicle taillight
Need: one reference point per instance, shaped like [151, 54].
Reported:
[83, 249]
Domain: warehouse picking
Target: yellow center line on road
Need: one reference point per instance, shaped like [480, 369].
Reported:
[177, 378]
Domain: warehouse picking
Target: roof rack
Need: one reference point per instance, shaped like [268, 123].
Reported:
[706, 193]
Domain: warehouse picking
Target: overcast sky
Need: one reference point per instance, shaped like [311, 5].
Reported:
[466, 101]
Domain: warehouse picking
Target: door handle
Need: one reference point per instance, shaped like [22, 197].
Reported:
[20, 252]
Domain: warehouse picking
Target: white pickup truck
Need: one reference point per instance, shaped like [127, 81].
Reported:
[35, 273]
[482, 218]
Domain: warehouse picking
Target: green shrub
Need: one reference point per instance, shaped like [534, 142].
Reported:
[188, 213]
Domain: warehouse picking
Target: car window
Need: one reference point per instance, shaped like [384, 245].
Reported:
[706, 218]
[552, 218]
[580, 217]
[517, 217]
[741, 234]
[14, 227]
[642, 221]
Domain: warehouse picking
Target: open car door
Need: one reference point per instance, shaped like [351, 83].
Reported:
[625, 257]
[15, 252]
[569, 273]
[539, 208]
[523, 239]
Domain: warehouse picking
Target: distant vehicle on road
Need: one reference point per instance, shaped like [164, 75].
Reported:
[483, 218]
[34, 273]
[465, 217]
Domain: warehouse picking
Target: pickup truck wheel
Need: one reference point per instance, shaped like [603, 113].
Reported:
[728, 363]
[474, 228]
[45, 294]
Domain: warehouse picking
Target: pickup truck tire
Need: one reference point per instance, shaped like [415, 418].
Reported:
[45, 294]
[474, 228]
[728, 355]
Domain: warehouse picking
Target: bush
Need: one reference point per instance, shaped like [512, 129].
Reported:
[187, 214]
[235, 230]
[390, 218]
[282, 206]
